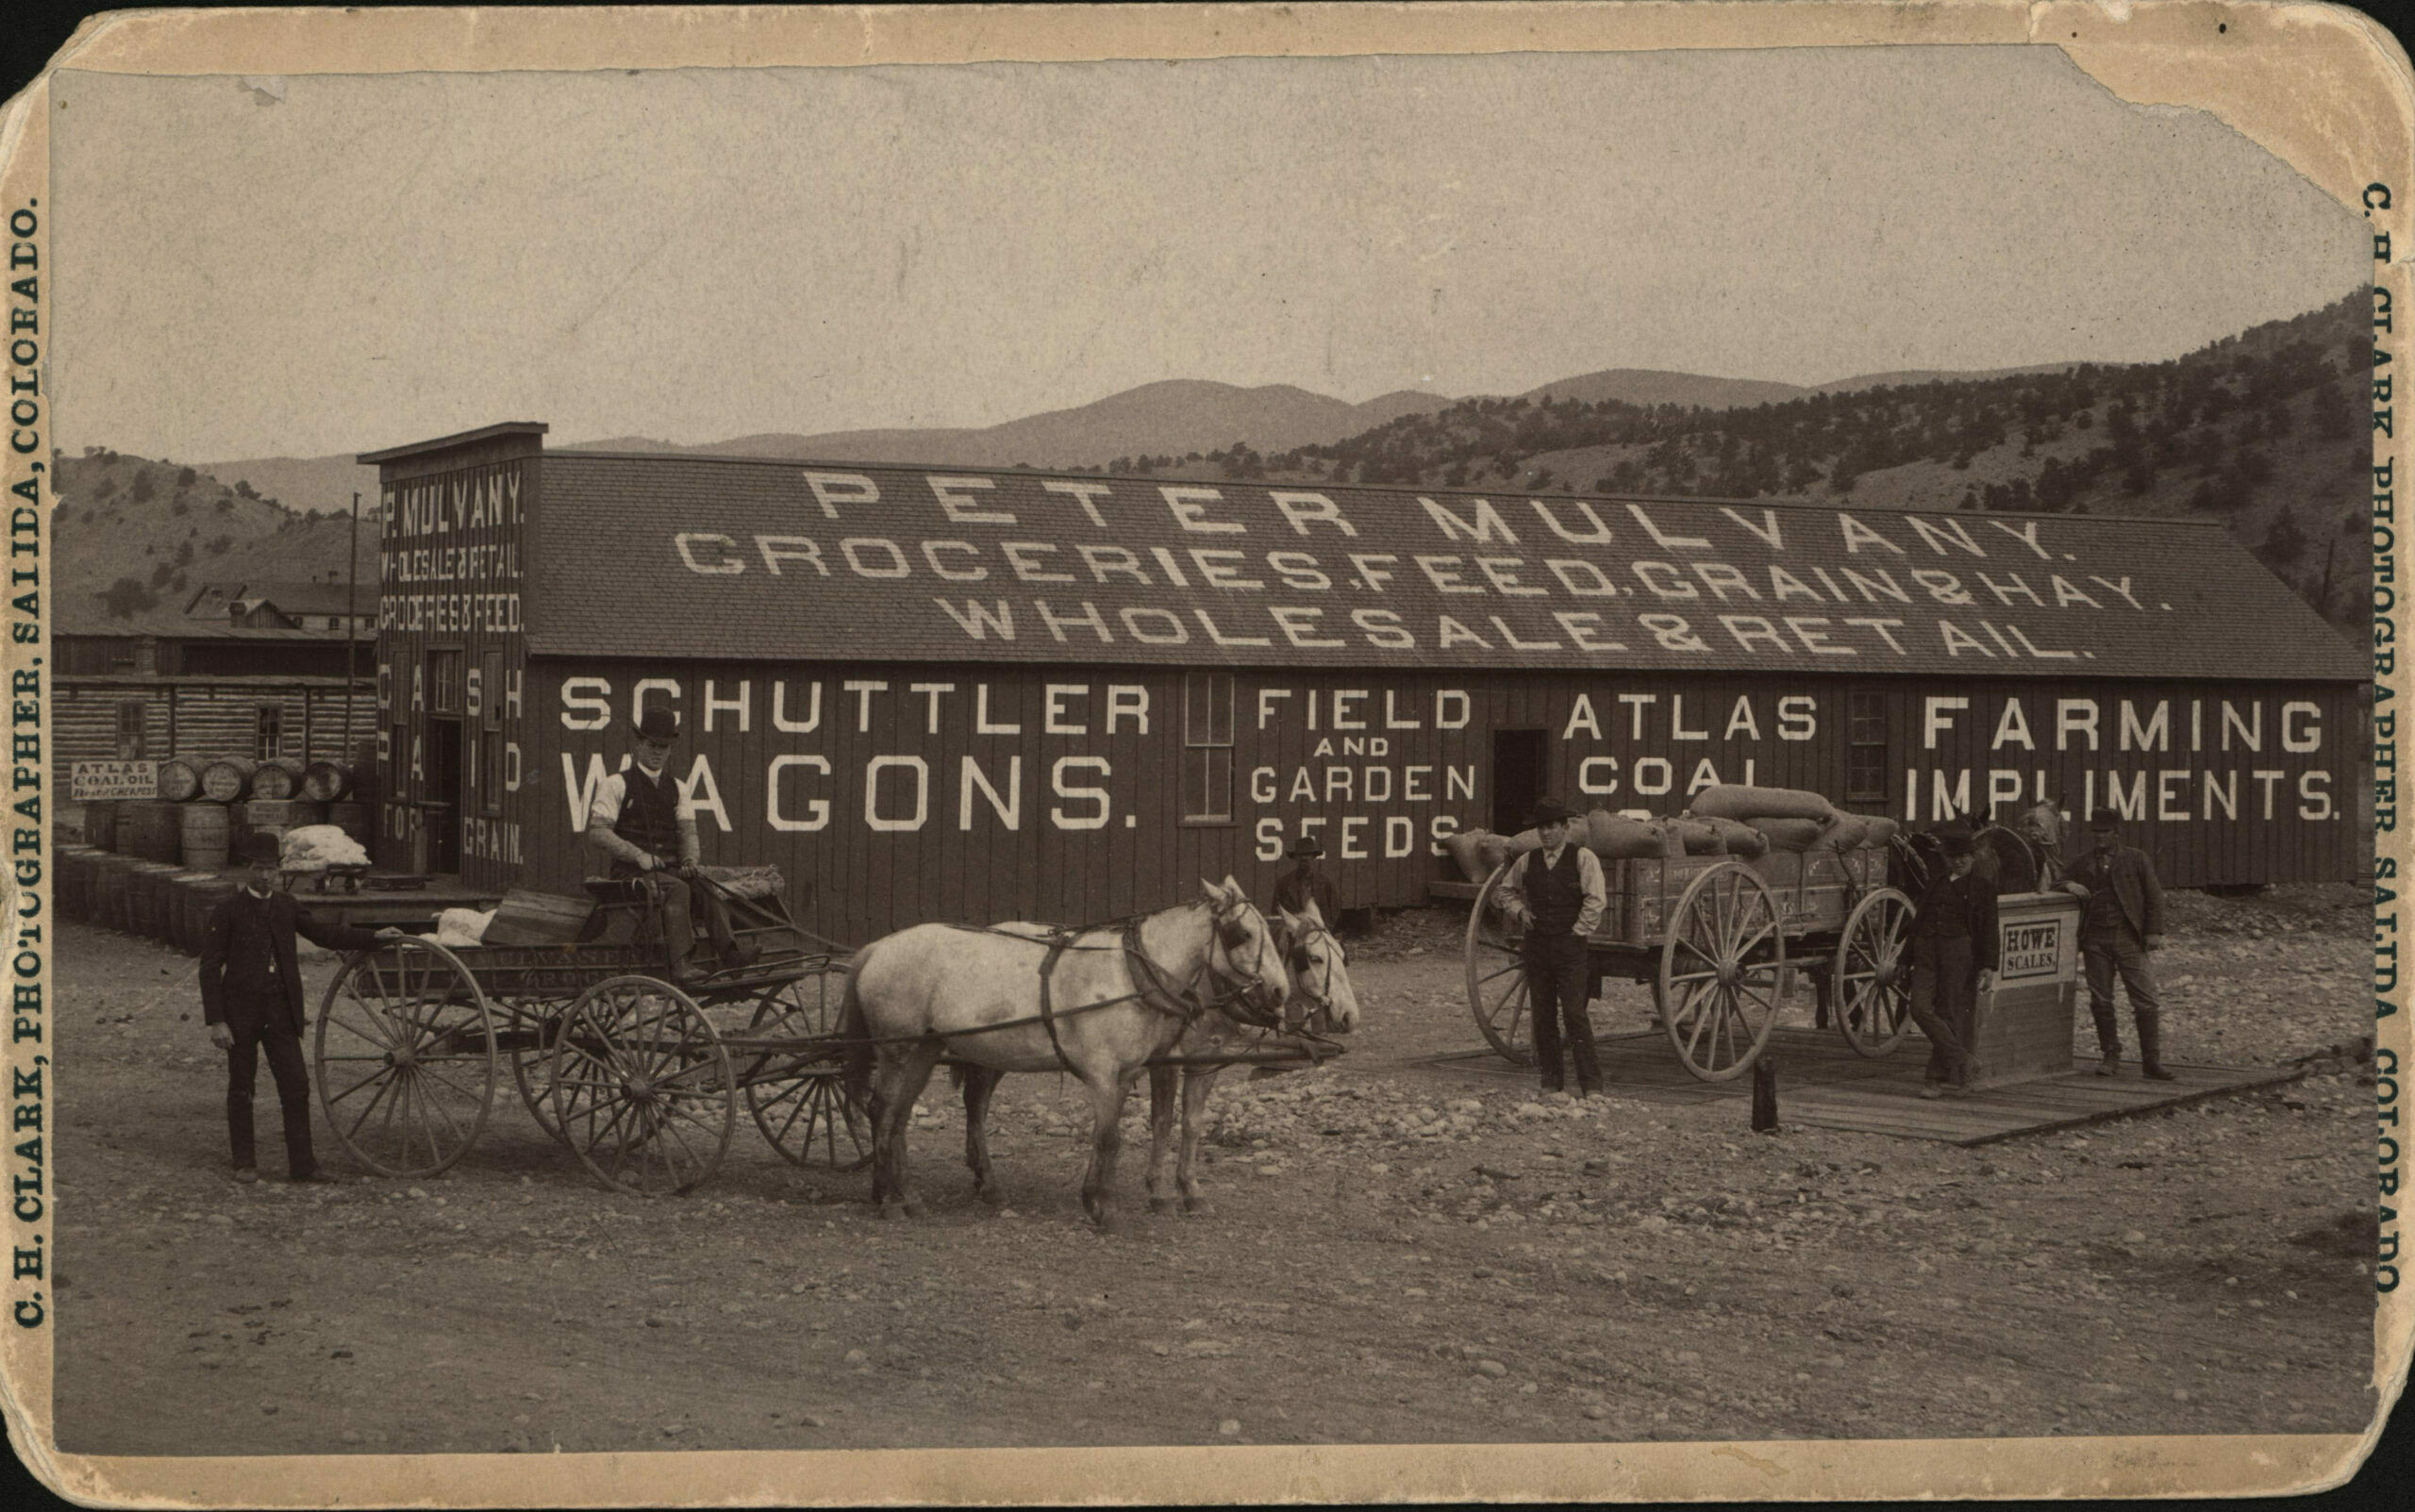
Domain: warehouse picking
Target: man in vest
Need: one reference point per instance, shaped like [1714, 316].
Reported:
[1557, 893]
[2120, 924]
[646, 824]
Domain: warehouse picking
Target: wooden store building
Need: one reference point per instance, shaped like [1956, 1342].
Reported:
[971, 696]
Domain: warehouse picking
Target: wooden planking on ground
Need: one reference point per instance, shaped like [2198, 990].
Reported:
[1822, 1084]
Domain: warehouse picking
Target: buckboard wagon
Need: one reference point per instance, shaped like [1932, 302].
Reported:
[639, 1077]
[1719, 938]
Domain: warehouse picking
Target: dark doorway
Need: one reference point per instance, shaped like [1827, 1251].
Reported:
[1516, 777]
[441, 813]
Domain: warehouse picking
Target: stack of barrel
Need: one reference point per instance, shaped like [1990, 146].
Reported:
[152, 866]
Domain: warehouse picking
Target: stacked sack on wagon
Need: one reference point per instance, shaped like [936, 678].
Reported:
[1734, 820]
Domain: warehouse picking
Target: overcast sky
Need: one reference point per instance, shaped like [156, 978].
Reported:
[328, 265]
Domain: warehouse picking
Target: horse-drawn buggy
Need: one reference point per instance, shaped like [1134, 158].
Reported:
[640, 1069]
[1734, 905]
[641, 1079]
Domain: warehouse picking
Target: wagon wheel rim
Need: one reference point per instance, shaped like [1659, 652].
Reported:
[1496, 976]
[1722, 964]
[406, 1060]
[642, 1087]
[1872, 973]
[802, 1107]
[532, 1067]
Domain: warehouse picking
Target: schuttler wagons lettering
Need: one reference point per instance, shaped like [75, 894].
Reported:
[980, 695]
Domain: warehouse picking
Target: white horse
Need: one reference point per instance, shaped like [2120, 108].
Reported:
[1100, 1001]
[1322, 998]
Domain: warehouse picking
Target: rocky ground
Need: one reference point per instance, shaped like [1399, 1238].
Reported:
[1395, 1253]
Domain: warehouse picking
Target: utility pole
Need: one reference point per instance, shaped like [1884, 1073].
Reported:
[351, 628]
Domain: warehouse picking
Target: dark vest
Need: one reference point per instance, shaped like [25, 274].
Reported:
[1555, 894]
[650, 813]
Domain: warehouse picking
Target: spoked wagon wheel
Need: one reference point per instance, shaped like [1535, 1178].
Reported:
[532, 1066]
[1721, 970]
[1873, 975]
[803, 1108]
[1497, 992]
[405, 1057]
[643, 1090]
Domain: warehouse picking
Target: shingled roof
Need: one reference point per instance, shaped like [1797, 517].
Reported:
[728, 559]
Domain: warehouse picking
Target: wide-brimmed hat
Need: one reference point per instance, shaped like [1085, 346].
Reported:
[261, 848]
[1954, 839]
[657, 725]
[1548, 811]
[1305, 846]
[2104, 823]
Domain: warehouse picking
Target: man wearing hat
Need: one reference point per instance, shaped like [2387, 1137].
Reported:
[251, 1000]
[1305, 883]
[1954, 960]
[1557, 893]
[2120, 921]
[646, 824]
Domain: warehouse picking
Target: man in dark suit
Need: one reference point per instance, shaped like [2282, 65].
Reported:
[2120, 924]
[1954, 960]
[1305, 883]
[251, 998]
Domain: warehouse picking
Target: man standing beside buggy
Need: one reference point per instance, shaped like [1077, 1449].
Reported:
[643, 820]
[1558, 894]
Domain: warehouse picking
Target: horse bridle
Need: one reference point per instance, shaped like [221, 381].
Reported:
[1299, 961]
[1237, 988]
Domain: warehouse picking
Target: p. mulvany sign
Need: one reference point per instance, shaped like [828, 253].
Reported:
[1018, 566]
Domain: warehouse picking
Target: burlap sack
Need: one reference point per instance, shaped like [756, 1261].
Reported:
[1616, 835]
[1466, 849]
[1738, 838]
[1730, 801]
[1791, 834]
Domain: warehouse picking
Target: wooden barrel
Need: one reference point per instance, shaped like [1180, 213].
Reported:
[100, 824]
[176, 916]
[276, 777]
[73, 865]
[180, 779]
[145, 898]
[205, 833]
[108, 889]
[323, 782]
[198, 897]
[149, 828]
[228, 778]
[355, 820]
[274, 816]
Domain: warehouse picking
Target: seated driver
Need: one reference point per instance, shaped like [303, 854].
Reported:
[646, 824]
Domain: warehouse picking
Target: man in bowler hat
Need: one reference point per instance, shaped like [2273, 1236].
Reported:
[1557, 891]
[1954, 960]
[646, 824]
[251, 1000]
[1305, 883]
[2120, 924]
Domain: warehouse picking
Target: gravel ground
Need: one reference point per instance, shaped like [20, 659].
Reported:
[1394, 1255]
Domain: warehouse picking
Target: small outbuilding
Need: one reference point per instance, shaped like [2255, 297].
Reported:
[980, 694]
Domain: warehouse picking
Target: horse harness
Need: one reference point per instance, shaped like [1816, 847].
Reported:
[1185, 1002]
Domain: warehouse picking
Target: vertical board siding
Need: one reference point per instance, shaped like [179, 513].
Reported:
[865, 882]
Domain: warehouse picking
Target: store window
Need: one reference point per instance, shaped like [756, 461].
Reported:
[268, 732]
[1866, 748]
[1208, 748]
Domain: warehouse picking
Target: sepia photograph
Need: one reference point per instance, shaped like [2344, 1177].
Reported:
[1578, 752]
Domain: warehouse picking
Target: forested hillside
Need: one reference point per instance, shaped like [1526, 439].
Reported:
[144, 533]
[2267, 430]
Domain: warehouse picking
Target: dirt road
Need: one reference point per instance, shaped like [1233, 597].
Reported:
[1395, 1253]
